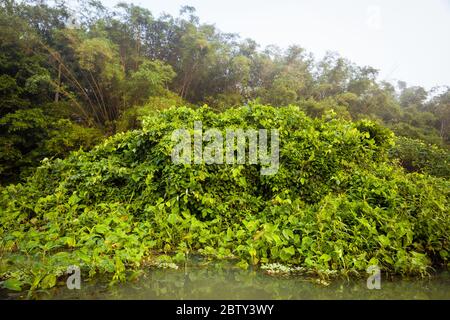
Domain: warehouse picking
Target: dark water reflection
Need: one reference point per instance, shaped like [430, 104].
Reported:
[219, 281]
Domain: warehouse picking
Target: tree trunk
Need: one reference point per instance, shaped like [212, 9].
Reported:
[59, 83]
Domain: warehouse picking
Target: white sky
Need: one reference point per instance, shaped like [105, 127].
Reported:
[405, 39]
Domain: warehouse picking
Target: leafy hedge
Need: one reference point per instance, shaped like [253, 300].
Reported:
[336, 205]
[417, 156]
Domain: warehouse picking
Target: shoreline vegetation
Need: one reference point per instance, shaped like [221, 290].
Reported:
[337, 205]
[89, 101]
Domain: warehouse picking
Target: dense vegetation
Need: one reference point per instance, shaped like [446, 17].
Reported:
[336, 205]
[70, 77]
[87, 109]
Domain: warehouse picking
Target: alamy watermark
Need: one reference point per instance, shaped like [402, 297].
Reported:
[374, 280]
[235, 147]
[74, 280]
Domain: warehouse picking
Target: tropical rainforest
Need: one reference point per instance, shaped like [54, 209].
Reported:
[89, 100]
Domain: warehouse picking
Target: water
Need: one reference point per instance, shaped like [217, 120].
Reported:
[223, 281]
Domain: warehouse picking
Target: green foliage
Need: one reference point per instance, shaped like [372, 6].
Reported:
[120, 59]
[29, 135]
[149, 80]
[22, 132]
[65, 136]
[336, 205]
[425, 134]
[417, 156]
[98, 56]
[132, 118]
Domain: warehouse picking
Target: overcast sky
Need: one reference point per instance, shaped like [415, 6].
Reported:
[405, 39]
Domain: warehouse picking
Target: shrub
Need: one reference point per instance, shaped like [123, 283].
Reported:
[336, 205]
[417, 156]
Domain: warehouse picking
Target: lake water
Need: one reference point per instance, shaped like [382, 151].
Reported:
[221, 281]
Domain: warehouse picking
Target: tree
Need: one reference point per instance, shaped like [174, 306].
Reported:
[440, 106]
[413, 98]
[99, 60]
[149, 80]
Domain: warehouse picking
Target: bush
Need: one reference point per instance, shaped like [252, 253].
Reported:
[417, 156]
[336, 205]
[131, 118]
[28, 136]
